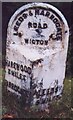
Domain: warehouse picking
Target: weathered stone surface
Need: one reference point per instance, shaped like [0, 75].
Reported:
[37, 43]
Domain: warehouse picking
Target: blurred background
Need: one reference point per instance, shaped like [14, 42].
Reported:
[58, 109]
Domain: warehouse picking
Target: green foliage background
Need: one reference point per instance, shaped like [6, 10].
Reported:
[61, 108]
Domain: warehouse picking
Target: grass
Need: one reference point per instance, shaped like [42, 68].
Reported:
[0, 74]
[60, 108]
[0, 93]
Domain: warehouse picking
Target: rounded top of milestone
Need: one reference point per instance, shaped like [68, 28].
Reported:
[37, 24]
